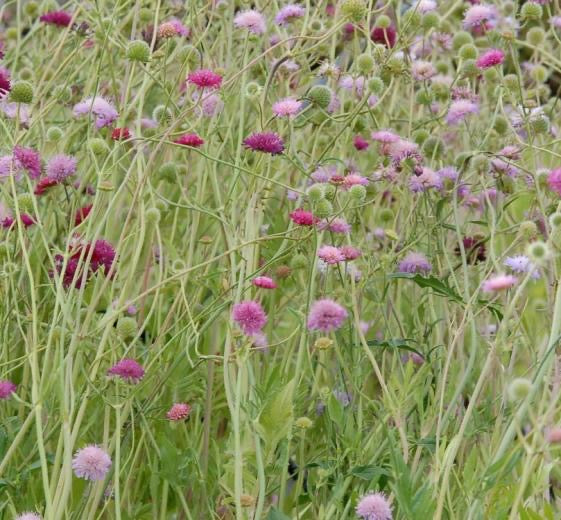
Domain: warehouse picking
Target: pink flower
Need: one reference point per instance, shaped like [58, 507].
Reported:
[414, 263]
[267, 142]
[264, 282]
[60, 167]
[190, 140]
[477, 15]
[7, 388]
[178, 412]
[287, 107]
[204, 78]
[554, 180]
[251, 20]
[490, 58]
[28, 516]
[499, 282]
[59, 18]
[360, 143]
[422, 70]
[427, 179]
[104, 112]
[353, 179]
[350, 253]
[459, 110]
[337, 225]
[374, 506]
[127, 369]
[29, 160]
[326, 315]
[5, 85]
[289, 13]
[385, 136]
[553, 435]
[172, 28]
[250, 316]
[331, 254]
[91, 463]
[302, 217]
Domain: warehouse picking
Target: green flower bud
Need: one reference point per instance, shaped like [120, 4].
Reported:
[323, 208]
[540, 125]
[395, 66]
[22, 92]
[127, 327]
[26, 74]
[138, 50]
[98, 146]
[303, 422]
[168, 171]
[315, 192]
[535, 36]
[376, 86]
[468, 52]
[357, 193]
[320, 95]
[316, 26]
[31, 8]
[442, 67]
[354, 10]
[11, 33]
[412, 19]
[501, 125]
[420, 136]
[491, 75]
[555, 220]
[152, 215]
[162, 114]
[365, 63]
[423, 97]
[54, 134]
[63, 93]
[253, 90]
[480, 163]
[460, 39]
[383, 21]
[528, 229]
[145, 15]
[188, 54]
[433, 147]
[519, 388]
[441, 91]
[462, 160]
[386, 215]
[531, 11]
[538, 251]
[25, 202]
[430, 20]
[161, 205]
[329, 191]
[470, 69]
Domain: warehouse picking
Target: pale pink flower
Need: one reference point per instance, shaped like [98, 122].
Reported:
[91, 463]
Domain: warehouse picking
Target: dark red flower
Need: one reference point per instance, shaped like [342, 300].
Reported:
[190, 140]
[82, 214]
[44, 184]
[267, 142]
[474, 248]
[59, 18]
[384, 35]
[120, 134]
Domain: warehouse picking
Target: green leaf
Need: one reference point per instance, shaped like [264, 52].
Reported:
[275, 514]
[400, 343]
[438, 286]
[335, 410]
[369, 472]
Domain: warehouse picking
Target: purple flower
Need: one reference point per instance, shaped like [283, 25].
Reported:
[104, 112]
[374, 506]
[91, 463]
[7, 388]
[414, 263]
[29, 160]
[60, 167]
[326, 315]
[459, 110]
[522, 264]
[251, 20]
[127, 369]
[267, 142]
[479, 14]
[250, 316]
[289, 13]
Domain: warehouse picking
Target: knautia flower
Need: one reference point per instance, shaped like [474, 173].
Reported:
[331, 254]
[350, 253]
[129, 370]
[337, 225]
[287, 107]
[91, 463]
[554, 180]
[251, 20]
[29, 160]
[422, 70]
[459, 110]
[326, 315]
[5, 84]
[522, 264]
[249, 316]
[264, 282]
[205, 79]
[104, 112]
[28, 516]
[302, 217]
[374, 506]
[478, 15]
[360, 143]
[289, 13]
[414, 262]
[60, 18]
[490, 59]
[266, 142]
[385, 136]
[60, 167]
[499, 282]
[192, 140]
[7, 388]
[9, 166]
[178, 412]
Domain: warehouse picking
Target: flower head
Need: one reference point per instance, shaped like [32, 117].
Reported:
[104, 112]
[204, 78]
[490, 58]
[251, 20]
[374, 506]
[60, 167]
[302, 217]
[59, 18]
[522, 264]
[554, 180]
[127, 369]
[499, 282]
[91, 463]
[414, 263]
[459, 110]
[360, 143]
[267, 142]
[121, 134]
[250, 316]
[287, 107]
[326, 315]
[477, 15]
[190, 140]
[178, 412]
[7, 388]
[289, 13]
[331, 254]
[28, 516]
[385, 35]
[29, 160]
[5, 84]
[264, 282]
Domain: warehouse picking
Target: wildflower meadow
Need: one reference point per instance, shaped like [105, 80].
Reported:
[280, 261]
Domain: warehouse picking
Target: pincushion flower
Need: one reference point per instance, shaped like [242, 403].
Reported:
[459, 110]
[422, 70]
[104, 112]
[59, 18]
[264, 282]
[287, 107]
[129, 370]
[266, 142]
[326, 315]
[414, 262]
[121, 134]
[385, 35]
[554, 180]
[205, 79]
[477, 15]
[29, 160]
[249, 316]
[360, 143]
[178, 412]
[28, 516]
[374, 506]
[500, 282]
[60, 167]
[302, 217]
[289, 13]
[330, 254]
[251, 20]
[7, 388]
[190, 140]
[490, 58]
[522, 264]
[5, 84]
[91, 463]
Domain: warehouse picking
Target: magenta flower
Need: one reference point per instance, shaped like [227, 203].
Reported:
[5, 84]
[204, 78]
[190, 140]
[91, 463]
[127, 369]
[250, 316]
[59, 18]
[60, 167]
[7, 388]
[29, 160]
[326, 315]
[264, 282]
[266, 142]
[414, 263]
[500, 282]
[287, 107]
[289, 13]
[251, 20]
[302, 217]
[104, 112]
[374, 506]
[350, 253]
[178, 412]
[360, 143]
[490, 58]
[331, 254]
[554, 180]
